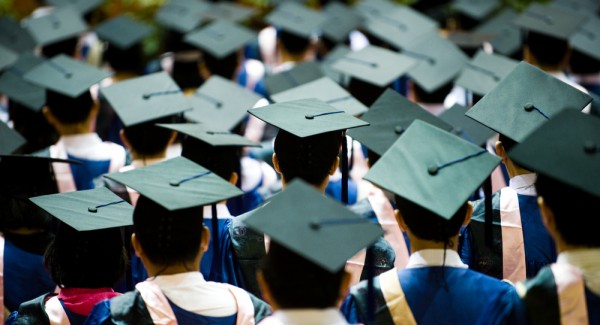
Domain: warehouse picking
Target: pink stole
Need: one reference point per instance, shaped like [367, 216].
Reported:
[56, 313]
[571, 294]
[513, 249]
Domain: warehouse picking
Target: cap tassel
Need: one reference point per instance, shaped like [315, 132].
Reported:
[339, 99]
[344, 170]
[419, 56]
[530, 107]
[434, 169]
[211, 99]
[215, 269]
[60, 69]
[359, 61]
[95, 209]
[177, 183]
[312, 116]
[318, 224]
[161, 93]
[545, 18]
[489, 217]
[484, 71]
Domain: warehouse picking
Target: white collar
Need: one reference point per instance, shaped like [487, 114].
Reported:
[328, 316]
[139, 163]
[179, 279]
[435, 257]
[78, 139]
[222, 211]
[524, 184]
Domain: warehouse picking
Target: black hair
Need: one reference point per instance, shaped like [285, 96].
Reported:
[125, 60]
[69, 110]
[19, 212]
[147, 139]
[33, 126]
[186, 73]
[372, 156]
[571, 208]
[221, 160]
[167, 237]
[507, 142]
[547, 50]
[581, 63]
[225, 67]
[66, 46]
[436, 96]
[365, 92]
[309, 158]
[293, 43]
[313, 286]
[426, 224]
[86, 259]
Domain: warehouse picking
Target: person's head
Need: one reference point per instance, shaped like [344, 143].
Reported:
[221, 160]
[293, 44]
[437, 96]
[581, 63]
[64, 110]
[365, 92]
[312, 158]
[86, 259]
[546, 51]
[168, 238]
[33, 126]
[186, 73]
[67, 46]
[148, 140]
[128, 60]
[225, 67]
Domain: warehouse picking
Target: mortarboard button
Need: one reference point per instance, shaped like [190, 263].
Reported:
[220, 38]
[211, 136]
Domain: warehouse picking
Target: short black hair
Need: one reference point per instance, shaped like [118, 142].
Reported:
[125, 60]
[365, 92]
[309, 158]
[547, 50]
[66, 46]
[221, 160]
[312, 287]
[19, 212]
[86, 259]
[186, 74]
[436, 96]
[32, 125]
[148, 139]
[69, 110]
[571, 208]
[581, 63]
[225, 67]
[293, 43]
[507, 142]
[167, 237]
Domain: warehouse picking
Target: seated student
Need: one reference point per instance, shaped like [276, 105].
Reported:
[522, 246]
[584, 61]
[170, 239]
[320, 281]
[564, 151]
[85, 259]
[435, 286]
[72, 111]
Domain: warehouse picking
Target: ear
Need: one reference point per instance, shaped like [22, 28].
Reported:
[469, 213]
[137, 247]
[233, 178]
[264, 289]
[335, 166]
[49, 116]
[400, 220]
[172, 138]
[500, 152]
[205, 239]
[275, 161]
[95, 109]
[547, 215]
[344, 287]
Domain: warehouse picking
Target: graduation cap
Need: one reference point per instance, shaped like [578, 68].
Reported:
[296, 19]
[145, 98]
[210, 135]
[422, 174]
[177, 183]
[525, 99]
[340, 21]
[465, 127]
[301, 73]
[230, 11]
[325, 90]
[585, 7]
[439, 61]
[400, 26]
[324, 232]
[123, 31]
[220, 38]
[13, 85]
[221, 103]
[550, 20]
[64, 75]
[507, 38]
[82, 6]
[476, 9]
[38, 178]
[370, 9]
[375, 65]
[389, 117]
[87, 210]
[566, 149]
[484, 71]
[182, 15]
[15, 37]
[10, 140]
[587, 38]
[469, 41]
[60, 24]
[332, 56]
[7, 57]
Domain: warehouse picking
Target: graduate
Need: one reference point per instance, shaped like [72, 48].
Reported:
[521, 245]
[564, 153]
[435, 287]
[86, 258]
[170, 239]
[298, 232]
[71, 110]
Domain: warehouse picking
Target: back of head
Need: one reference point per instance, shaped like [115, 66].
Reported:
[437, 96]
[546, 50]
[66, 47]
[293, 43]
[220, 160]
[186, 73]
[167, 237]
[312, 287]
[33, 126]
[571, 208]
[310, 158]
[365, 92]
[129, 60]
[147, 139]
[88, 259]
[225, 67]
[581, 63]
[69, 110]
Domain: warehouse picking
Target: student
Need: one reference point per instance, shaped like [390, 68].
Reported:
[72, 111]
[564, 152]
[85, 259]
[435, 286]
[170, 239]
[320, 281]
[584, 61]
[521, 244]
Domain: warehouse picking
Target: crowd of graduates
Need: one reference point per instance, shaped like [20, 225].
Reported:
[301, 162]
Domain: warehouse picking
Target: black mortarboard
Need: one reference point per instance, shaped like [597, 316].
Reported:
[389, 117]
[525, 99]
[14, 36]
[177, 183]
[182, 15]
[423, 174]
[550, 20]
[439, 61]
[210, 135]
[296, 19]
[18, 89]
[220, 38]
[221, 103]
[324, 232]
[65, 75]
[87, 210]
[375, 65]
[82, 6]
[340, 21]
[59, 24]
[587, 38]
[7, 57]
[123, 31]
[465, 127]
[10, 140]
[566, 149]
[476, 9]
[507, 39]
[230, 11]
[146, 98]
[325, 90]
[484, 71]
[296, 76]
[306, 117]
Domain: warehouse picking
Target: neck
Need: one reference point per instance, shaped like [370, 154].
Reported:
[320, 187]
[74, 128]
[141, 157]
[155, 270]
[291, 57]
[514, 170]
[25, 231]
[417, 244]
